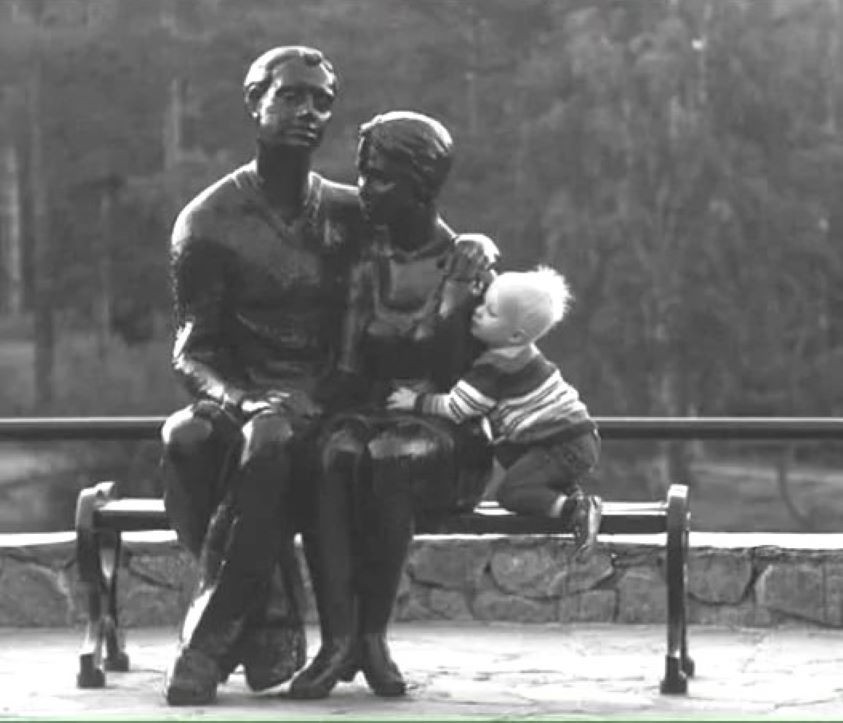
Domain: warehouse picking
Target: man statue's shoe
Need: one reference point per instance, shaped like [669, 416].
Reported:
[272, 655]
[335, 661]
[585, 524]
[192, 679]
[380, 670]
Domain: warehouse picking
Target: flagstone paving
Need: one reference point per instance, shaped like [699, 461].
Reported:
[468, 670]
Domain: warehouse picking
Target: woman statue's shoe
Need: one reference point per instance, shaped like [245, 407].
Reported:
[380, 670]
[272, 655]
[335, 661]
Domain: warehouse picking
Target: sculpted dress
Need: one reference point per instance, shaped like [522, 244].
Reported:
[258, 305]
[407, 322]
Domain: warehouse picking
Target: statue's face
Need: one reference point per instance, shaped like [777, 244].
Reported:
[495, 321]
[387, 190]
[296, 107]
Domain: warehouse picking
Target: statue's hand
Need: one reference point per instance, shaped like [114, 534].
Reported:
[296, 402]
[473, 257]
[401, 399]
[287, 403]
[250, 406]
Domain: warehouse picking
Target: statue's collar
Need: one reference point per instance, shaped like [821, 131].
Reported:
[248, 180]
[436, 246]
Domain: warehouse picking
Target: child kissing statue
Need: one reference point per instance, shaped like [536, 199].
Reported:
[541, 430]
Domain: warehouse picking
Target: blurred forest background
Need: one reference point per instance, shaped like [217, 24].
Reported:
[679, 160]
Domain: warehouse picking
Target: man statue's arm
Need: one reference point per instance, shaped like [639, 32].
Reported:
[202, 356]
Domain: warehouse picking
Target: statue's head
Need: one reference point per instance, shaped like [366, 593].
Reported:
[403, 159]
[289, 93]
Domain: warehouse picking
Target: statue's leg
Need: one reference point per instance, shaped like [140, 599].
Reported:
[240, 549]
[274, 645]
[328, 543]
[197, 442]
[407, 455]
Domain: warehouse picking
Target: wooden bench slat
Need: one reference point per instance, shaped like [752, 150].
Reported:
[488, 518]
[509, 524]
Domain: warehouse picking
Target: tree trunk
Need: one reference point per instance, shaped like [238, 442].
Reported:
[11, 254]
[472, 92]
[104, 302]
[42, 255]
[173, 115]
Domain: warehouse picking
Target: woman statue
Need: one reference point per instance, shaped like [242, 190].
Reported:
[408, 319]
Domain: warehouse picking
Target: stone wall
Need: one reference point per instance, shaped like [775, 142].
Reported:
[742, 580]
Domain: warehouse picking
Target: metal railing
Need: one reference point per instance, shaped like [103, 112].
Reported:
[668, 428]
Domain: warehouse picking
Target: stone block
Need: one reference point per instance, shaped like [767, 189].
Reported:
[625, 555]
[489, 605]
[143, 604]
[32, 595]
[527, 571]
[578, 576]
[449, 605]
[833, 572]
[792, 588]
[719, 576]
[810, 591]
[177, 571]
[642, 596]
[590, 606]
[413, 609]
[747, 614]
[453, 564]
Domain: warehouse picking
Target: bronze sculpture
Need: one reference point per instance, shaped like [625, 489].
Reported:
[410, 305]
[259, 264]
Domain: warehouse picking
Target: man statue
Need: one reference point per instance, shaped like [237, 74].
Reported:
[259, 269]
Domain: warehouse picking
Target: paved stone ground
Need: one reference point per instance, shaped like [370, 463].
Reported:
[469, 670]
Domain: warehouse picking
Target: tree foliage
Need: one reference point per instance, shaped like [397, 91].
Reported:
[678, 160]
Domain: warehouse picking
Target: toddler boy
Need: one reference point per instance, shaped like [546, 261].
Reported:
[543, 435]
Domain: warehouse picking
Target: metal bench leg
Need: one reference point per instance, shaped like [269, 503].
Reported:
[688, 665]
[98, 560]
[678, 665]
[116, 658]
[91, 673]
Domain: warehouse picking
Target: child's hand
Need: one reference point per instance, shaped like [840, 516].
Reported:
[401, 398]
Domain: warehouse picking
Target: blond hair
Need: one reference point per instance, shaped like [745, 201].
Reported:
[539, 299]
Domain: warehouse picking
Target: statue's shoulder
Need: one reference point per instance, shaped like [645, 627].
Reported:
[340, 198]
[340, 207]
[201, 216]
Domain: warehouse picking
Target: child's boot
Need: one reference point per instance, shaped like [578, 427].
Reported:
[585, 523]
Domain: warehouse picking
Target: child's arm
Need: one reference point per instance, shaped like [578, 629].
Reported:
[463, 402]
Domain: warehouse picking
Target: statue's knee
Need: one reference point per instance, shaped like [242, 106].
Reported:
[266, 435]
[183, 431]
[342, 448]
[403, 444]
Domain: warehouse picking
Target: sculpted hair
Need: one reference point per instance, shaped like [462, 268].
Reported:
[259, 75]
[541, 298]
[420, 143]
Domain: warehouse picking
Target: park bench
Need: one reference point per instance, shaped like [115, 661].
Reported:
[101, 517]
